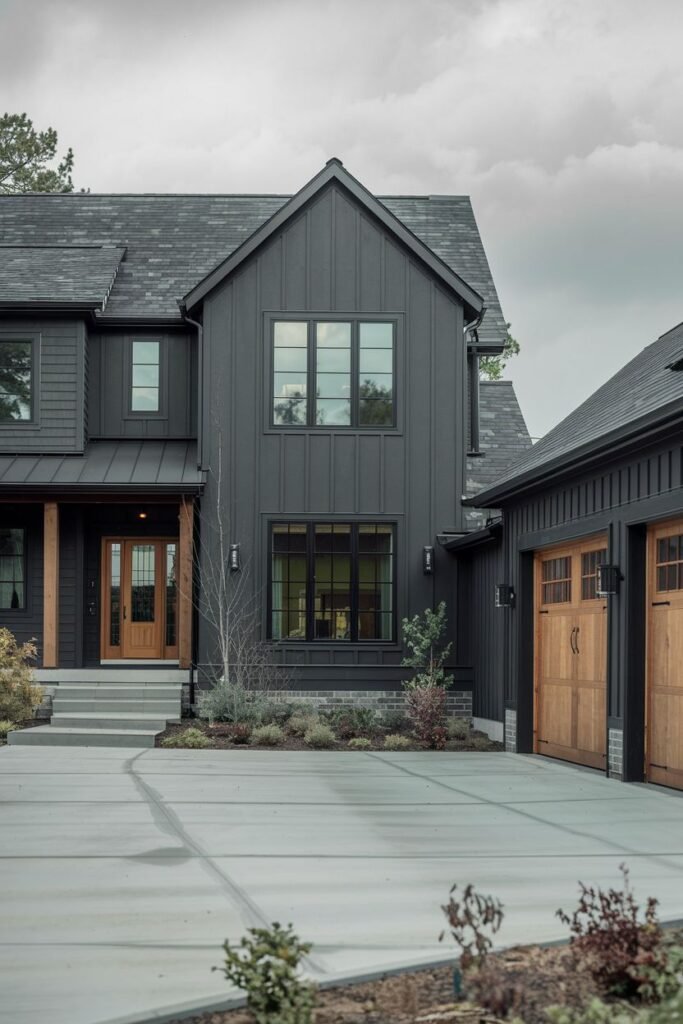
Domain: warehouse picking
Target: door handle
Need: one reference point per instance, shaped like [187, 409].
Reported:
[576, 641]
[571, 640]
[124, 612]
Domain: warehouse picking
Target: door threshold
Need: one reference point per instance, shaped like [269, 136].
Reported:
[139, 662]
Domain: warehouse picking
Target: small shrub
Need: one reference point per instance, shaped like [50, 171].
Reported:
[622, 953]
[230, 702]
[19, 695]
[5, 727]
[299, 724]
[596, 1012]
[360, 743]
[394, 721]
[423, 637]
[439, 738]
[480, 743]
[427, 712]
[267, 736]
[458, 728]
[264, 965]
[278, 712]
[353, 721]
[239, 733]
[320, 736]
[469, 920]
[495, 991]
[193, 738]
[396, 742]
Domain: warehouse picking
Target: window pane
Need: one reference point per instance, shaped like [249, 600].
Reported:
[146, 375]
[290, 334]
[332, 599]
[333, 335]
[15, 380]
[146, 352]
[115, 596]
[377, 335]
[171, 596]
[290, 359]
[143, 583]
[334, 385]
[334, 360]
[289, 412]
[145, 400]
[289, 581]
[145, 389]
[376, 360]
[376, 413]
[290, 385]
[12, 569]
[333, 412]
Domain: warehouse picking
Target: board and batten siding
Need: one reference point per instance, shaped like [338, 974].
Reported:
[619, 497]
[481, 627]
[334, 259]
[109, 371]
[58, 381]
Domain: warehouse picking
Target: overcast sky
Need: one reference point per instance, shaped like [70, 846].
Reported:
[563, 119]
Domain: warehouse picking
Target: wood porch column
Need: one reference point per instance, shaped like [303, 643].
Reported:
[185, 580]
[50, 584]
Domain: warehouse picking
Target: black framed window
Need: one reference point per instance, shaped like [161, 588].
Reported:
[334, 373]
[332, 582]
[16, 380]
[12, 561]
[145, 376]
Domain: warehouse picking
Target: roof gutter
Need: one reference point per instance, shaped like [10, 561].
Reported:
[458, 543]
[200, 379]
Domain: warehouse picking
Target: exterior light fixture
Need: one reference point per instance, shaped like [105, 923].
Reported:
[608, 579]
[234, 560]
[427, 560]
[142, 515]
[505, 595]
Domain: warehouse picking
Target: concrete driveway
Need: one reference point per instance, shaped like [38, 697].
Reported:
[124, 874]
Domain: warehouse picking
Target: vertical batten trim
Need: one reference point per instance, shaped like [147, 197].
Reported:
[185, 558]
[50, 584]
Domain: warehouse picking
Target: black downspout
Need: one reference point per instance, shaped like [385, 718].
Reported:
[200, 383]
[473, 368]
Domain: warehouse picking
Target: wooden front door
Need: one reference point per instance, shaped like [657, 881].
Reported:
[664, 710]
[139, 602]
[571, 654]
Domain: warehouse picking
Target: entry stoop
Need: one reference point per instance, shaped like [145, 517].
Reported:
[106, 714]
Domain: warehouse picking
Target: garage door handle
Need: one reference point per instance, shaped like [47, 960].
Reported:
[576, 641]
[656, 604]
[571, 640]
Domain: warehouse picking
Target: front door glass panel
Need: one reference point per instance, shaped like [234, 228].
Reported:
[171, 596]
[143, 581]
[115, 595]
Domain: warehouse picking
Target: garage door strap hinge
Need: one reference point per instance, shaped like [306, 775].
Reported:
[655, 603]
[664, 767]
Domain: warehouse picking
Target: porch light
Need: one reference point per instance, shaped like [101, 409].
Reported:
[142, 515]
[234, 559]
[427, 560]
[505, 595]
[608, 579]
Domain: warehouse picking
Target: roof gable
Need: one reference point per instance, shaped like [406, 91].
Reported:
[335, 172]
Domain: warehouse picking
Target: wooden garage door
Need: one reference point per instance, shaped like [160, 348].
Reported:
[664, 714]
[571, 654]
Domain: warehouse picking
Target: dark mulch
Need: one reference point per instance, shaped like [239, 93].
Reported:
[218, 734]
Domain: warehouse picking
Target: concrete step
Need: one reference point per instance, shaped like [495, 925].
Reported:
[164, 708]
[49, 736]
[98, 691]
[136, 723]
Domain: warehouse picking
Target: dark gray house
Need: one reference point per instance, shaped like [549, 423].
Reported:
[307, 365]
[587, 663]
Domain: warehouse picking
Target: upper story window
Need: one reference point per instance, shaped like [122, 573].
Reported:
[12, 592]
[333, 373]
[145, 377]
[16, 380]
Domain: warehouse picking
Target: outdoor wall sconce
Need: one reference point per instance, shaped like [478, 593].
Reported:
[505, 595]
[235, 561]
[427, 560]
[608, 580]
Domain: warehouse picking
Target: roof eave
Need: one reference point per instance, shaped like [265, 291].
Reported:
[48, 305]
[474, 539]
[104, 489]
[334, 171]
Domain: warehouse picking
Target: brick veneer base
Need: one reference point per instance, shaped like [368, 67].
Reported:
[511, 730]
[615, 753]
[458, 702]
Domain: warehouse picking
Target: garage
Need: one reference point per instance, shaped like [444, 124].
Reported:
[664, 710]
[571, 653]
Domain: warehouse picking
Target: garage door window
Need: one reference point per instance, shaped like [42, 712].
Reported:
[556, 583]
[670, 563]
[590, 560]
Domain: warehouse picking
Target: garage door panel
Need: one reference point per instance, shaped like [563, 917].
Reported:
[664, 709]
[555, 710]
[591, 719]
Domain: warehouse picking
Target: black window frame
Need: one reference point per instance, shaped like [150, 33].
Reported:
[355, 320]
[143, 414]
[310, 637]
[24, 562]
[19, 337]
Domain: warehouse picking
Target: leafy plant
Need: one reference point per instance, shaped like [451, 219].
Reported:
[230, 702]
[360, 743]
[264, 965]
[423, 636]
[239, 733]
[351, 721]
[427, 710]
[267, 736]
[394, 720]
[320, 736]
[277, 711]
[625, 955]
[496, 991]
[396, 742]
[193, 738]
[469, 920]
[480, 743]
[5, 727]
[19, 695]
[596, 1012]
[299, 724]
[458, 728]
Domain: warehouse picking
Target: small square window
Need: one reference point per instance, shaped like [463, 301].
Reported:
[145, 377]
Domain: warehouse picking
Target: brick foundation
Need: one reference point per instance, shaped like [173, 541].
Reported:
[458, 702]
[615, 754]
[511, 730]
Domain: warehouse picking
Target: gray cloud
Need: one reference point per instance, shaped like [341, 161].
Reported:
[562, 120]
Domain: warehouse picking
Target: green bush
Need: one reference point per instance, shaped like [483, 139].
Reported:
[239, 733]
[598, 1012]
[193, 738]
[351, 721]
[458, 728]
[230, 702]
[19, 695]
[278, 712]
[5, 727]
[360, 743]
[301, 722]
[265, 967]
[480, 743]
[396, 742]
[394, 721]
[267, 736]
[320, 737]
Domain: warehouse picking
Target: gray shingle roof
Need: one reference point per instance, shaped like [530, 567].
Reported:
[503, 438]
[81, 276]
[133, 465]
[643, 390]
[174, 241]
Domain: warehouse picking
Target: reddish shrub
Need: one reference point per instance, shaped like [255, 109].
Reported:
[240, 732]
[426, 706]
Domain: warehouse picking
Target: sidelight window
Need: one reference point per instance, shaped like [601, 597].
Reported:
[12, 590]
[332, 581]
[16, 380]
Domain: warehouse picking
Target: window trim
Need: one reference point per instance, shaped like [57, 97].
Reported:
[310, 525]
[355, 320]
[141, 414]
[23, 609]
[33, 338]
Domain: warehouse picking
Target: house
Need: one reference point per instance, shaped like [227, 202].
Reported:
[301, 370]
[587, 663]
